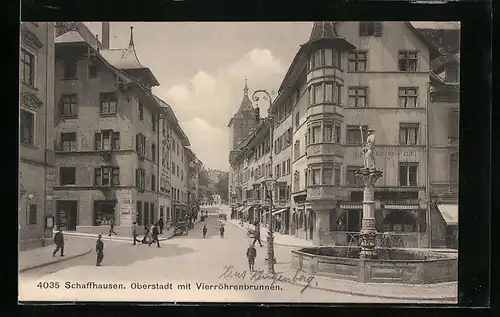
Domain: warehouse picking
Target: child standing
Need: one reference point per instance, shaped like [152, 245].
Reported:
[251, 255]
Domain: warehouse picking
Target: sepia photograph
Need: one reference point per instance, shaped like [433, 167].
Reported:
[239, 162]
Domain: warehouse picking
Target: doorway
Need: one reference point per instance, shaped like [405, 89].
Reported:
[353, 220]
[67, 214]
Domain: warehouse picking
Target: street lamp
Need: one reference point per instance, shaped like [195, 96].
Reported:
[269, 182]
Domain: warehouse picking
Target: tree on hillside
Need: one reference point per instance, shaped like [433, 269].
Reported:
[222, 186]
[206, 185]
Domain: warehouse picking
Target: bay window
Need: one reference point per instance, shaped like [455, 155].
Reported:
[316, 134]
[316, 176]
[329, 57]
[327, 132]
[327, 176]
[106, 176]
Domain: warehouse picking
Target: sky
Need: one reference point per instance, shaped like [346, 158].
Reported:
[202, 66]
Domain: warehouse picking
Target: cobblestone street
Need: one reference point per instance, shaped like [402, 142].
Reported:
[181, 261]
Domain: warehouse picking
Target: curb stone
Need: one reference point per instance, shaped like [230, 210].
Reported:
[54, 262]
[427, 299]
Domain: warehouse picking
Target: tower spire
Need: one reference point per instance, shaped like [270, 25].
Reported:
[245, 90]
[131, 43]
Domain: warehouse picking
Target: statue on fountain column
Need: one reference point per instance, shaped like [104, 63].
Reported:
[368, 149]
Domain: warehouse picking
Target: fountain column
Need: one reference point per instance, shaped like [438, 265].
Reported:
[368, 230]
[369, 174]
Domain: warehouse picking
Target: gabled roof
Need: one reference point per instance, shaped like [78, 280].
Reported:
[70, 37]
[126, 59]
[168, 110]
[438, 63]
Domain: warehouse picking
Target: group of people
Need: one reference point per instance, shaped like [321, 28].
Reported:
[221, 231]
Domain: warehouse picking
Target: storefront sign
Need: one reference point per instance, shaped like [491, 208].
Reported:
[388, 154]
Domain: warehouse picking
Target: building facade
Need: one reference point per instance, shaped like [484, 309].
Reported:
[351, 76]
[36, 151]
[113, 137]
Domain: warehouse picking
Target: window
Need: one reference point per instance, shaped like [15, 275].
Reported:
[182, 175]
[327, 132]
[328, 92]
[452, 74]
[316, 134]
[283, 168]
[357, 61]
[27, 68]
[108, 102]
[408, 133]
[153, 152]
[153, 182]
[140, 111]
[351, 178]
[68, 141]
[354, 134]
[296, 181]
[296, 149]
[278, 174]
[140, 178]
[32, 214]
[173, 167]
[106, 176]
[454, 167]
[297, 120]
[316, 176]
[318, 93]
[140, 142]
[297, 95]
[407, 61]
[93, 70]
[69, 105]
[327, 176]
[306, 177]
[153, 122]
[408, 97]
[177, 167]
[70, 69]
[288, 166]
[67, 175]
[408, 174]
[27, 127]
[370, 28]
[357, 96]
[337, 133]
[337, 175]
[107, 140]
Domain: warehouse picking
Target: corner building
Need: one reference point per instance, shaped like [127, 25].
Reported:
[36, 150]
[115, 140]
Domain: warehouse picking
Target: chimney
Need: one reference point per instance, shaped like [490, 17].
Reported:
[105, 35]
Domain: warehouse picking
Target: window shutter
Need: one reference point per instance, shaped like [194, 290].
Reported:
[378, 29]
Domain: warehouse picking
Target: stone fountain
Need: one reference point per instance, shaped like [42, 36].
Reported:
[367, 262]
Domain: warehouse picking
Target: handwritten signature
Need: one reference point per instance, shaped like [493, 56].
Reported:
[297, 278]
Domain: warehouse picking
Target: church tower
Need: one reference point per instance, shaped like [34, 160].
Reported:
[243, 121]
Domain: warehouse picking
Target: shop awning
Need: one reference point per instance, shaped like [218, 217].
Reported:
[279, 211]
[351, 206]
[402, 207]
[449, 213]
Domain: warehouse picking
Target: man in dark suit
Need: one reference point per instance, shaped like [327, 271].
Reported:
[59, 241]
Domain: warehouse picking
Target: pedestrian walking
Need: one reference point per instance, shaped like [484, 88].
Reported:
[99, 249]
[251, 255]
[147, 229]
[134, 233]
[221, 231]
[112, 228]
[155, 233]
[160, 224]
[256, 236]
[205, 231]
[59, 242]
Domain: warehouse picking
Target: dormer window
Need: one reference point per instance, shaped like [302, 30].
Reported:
[370, 28]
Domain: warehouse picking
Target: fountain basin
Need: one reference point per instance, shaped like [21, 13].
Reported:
[390, 266]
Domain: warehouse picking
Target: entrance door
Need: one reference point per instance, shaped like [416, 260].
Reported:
[353, 220]
[67, 214]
